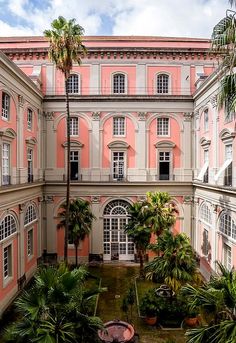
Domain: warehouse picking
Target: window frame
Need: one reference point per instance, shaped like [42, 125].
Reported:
[7, 277]
[7, 231]
[4, 159]
[163, 127]
[121, 124]
[6, 106]
[124, 86]
[30, 164]
[119, 178]
[30, 243]
[71, 90]
[29, 122]
[74, 126]
[206, 122]
[30, 215]
[161, 74]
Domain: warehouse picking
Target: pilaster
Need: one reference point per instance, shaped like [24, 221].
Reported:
[95, 147]
[141, 151]
[96, 236]
[187, 146]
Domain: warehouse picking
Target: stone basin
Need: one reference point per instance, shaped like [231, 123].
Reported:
[116, 331]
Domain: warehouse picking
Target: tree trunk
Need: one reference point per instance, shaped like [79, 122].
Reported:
[68, 177]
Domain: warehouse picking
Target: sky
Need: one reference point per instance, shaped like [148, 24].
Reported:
[169, 18]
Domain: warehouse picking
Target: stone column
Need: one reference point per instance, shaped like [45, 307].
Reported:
[196, 225]
[95, 148]
[51, 233]
[214, 233]
[50, 147]
[141, 86]
[196, 145]
[141, 147]
[187, 206]
[96, 237]
[95, 79]
[187, 146]
[214, 145]
[21, 173]
[21, 247]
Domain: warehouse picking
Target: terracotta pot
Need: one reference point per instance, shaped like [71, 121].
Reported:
[192, 322]
[150, 320]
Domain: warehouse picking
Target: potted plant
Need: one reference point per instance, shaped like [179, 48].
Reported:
[148, 307]
[192, 318]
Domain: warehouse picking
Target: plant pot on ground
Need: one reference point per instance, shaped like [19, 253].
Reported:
[148, 307]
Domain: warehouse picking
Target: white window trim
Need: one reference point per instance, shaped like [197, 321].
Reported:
[125, 123]
[126, 82]
[165, 146]
[8, 112]
[125, 163]
[222, 168]
[169, 83]
[79, 83]
[9, 163]
[31, 122]
[158, 135]
[203, 171]
[229, 245]
[9, 278]
[71, 118]
[30, 256]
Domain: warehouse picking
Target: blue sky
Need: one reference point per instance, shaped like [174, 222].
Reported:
[186, 18]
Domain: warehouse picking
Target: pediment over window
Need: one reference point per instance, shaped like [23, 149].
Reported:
[227, 136]
[205, 143]
[31, 140]
[73, 144]
[118, 145]
[7, 133]
[165, 144]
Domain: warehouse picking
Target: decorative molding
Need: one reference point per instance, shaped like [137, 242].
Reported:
[165, 144]
[142, 116]
[21, 100]
[118, 145]
[188, 116]
[227, 136]
[188, 199]
[96, 115]
[73, 144]
[49, 115]
[205, 143]
[213, 101]
[95, 199]
[22, 207]
[31, 140]
[7, 133]
[48, 198]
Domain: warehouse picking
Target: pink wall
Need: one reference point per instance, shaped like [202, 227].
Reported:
[153, 139]
[106, 77]
[83, 138]
[175, 78]
[108, 138]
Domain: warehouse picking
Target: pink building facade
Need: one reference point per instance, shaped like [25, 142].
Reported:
[141, 120]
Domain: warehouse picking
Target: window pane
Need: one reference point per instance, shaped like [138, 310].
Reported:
[162, 126]
[73, 84]
[162, 83]
[118, 126]
[74, 125]
[5, 105]
[119, 83]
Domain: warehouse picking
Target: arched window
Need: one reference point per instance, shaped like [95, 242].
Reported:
[162, 84]
[73, 84]
[227, 225]
[205, 213]
[30, 215]
[117, 245]
[119, 83]
[7, 226]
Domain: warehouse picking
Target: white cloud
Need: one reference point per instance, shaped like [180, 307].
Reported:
[194, 18]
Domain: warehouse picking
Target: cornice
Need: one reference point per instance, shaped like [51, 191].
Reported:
[152, 53]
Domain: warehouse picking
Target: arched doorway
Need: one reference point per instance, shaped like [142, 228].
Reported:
[116, 244]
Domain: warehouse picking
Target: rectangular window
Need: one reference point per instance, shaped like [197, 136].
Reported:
[30, 165]
[118, 126]
[206, 161]
[228, 175]
[164, 165]
[119, 84]
[74, 165]
[30, 242]
[227, 256]
[118, 165]
[206, 120]
[29, 119]
[5, 164]
[74, 126]
[163, 126]
[5, 106]
[7, 261]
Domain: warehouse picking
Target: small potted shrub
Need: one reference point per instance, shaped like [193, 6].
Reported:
[192, 318]
[148, 307]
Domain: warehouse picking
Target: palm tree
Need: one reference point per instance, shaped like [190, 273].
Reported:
[175, 263]
[80, 222]
[139, 229]
[216, 301]
[54, 310]
[65, 48]
[223, 42]
[161, 211]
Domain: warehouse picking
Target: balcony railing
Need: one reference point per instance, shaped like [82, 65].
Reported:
[30, 178]
[6, 180]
